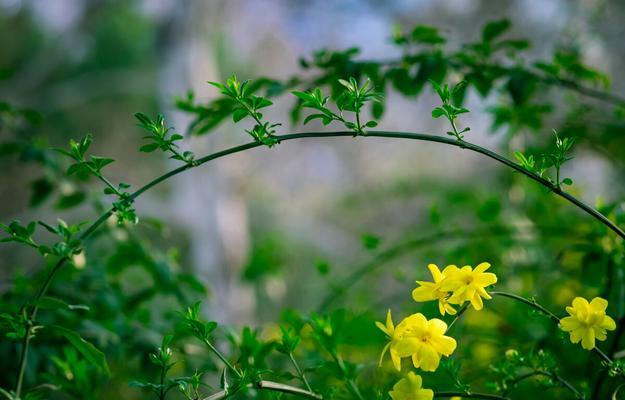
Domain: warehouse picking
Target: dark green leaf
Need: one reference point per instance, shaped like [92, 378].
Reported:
[88, 350]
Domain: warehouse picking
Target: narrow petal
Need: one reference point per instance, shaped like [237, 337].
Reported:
[482, 267]
[580, 303]
[588, 339]
[569, 323]
[436, 273]
[423, 293]
[389, 321]
[598, 304]
[608, 323]
[396, 360]
[486, 279]
[476, 302]
[384, 350]
[450, 309]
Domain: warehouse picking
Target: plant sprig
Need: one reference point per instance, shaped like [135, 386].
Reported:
[555, 159]
[248, 105]
[161, 139]
[448, 109]
[352, 99]
[93, 165]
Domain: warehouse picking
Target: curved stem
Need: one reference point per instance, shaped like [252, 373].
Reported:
[384, 134]
[271, 386]
[531, 303]
[469, 395]
[552, 375]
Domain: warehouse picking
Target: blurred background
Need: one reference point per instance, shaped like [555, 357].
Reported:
[285, 227]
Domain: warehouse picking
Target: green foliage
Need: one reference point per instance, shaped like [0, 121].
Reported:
[553, 160]
[247, 105]
[159, 138]
[125, 299]
[448, 109]
[352, 99]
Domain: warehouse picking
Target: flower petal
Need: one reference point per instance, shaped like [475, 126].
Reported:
[482, 267]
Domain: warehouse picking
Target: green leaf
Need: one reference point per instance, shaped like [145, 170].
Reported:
[239, 114]
[101, 162]
[52, 303]
[144, 120]
[426, 34]
[70, 200]
[148, 148]
[314, 116]
[88, 350]
[370, 242]
[78, 168]
[438, 112]
[567, 181]
[494, 29]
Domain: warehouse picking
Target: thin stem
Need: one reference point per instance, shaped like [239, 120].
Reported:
[30, 322]
[299, 372]
[469, 395]
[461, 311]
[162, 385]
[358, 127]
[270, 386]
[552, 375]
[453, 126]
[351, 385]
[223, 359]
[104, 180]
[531, 303]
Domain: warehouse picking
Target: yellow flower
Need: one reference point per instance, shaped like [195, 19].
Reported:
[432, 290]
[468, 284]
[409, 388]
[416, 337]
[587, 321]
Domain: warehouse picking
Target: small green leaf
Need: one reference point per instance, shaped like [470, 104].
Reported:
[148, 148]
[370, 242]
[239, 114]
[567, 181]
[88, 350]
[438, 112]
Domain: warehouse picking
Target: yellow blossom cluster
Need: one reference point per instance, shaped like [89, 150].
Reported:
[419, 338]
[425, 342]
[587, 321]
[454, 286]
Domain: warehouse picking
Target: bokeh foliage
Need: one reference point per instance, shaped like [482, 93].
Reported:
[127, 287]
